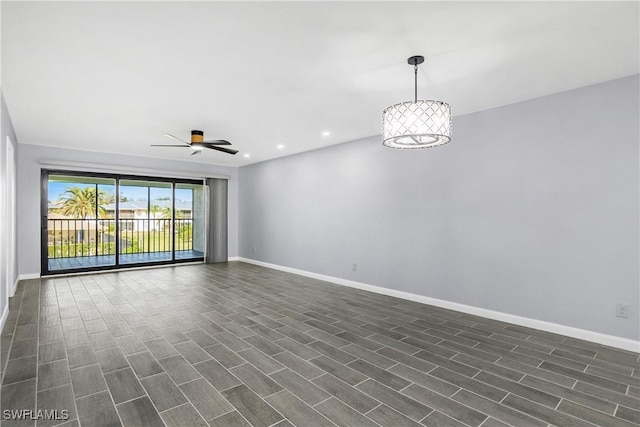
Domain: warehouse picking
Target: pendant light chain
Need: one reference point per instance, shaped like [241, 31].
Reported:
[415, 83]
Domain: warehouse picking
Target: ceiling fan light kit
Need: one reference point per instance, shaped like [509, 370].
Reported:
[417, 123]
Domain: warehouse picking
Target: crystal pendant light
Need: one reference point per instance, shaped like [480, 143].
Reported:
[416, 124]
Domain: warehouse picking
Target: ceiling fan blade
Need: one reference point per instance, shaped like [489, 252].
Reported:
[165, 145]
[176, 138]
[217, 142]
[224, 150]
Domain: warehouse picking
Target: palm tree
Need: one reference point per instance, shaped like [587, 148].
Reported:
[164, 213]
[81, 202]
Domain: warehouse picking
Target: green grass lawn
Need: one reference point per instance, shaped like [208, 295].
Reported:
[147, 241]
[155, 241]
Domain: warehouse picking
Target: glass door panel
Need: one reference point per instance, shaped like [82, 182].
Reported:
[101, 221]
[79, 222]
[145, 221]
[190, 221]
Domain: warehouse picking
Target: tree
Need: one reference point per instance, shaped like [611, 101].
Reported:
[81, 202]
[105, 197]
[163, 213]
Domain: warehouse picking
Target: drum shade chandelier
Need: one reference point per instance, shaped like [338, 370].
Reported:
[416, 124]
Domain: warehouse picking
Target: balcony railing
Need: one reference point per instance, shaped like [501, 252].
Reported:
[71, 238]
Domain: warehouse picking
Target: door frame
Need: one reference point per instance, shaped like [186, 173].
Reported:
[11, 200]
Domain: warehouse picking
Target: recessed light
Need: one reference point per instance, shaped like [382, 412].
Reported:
[326, 133]
[247, 156]
[280, 146]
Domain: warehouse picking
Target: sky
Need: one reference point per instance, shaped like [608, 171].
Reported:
[132, 193]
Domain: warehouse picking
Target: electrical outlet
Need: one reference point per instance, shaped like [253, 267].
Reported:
[622, 310]
[354, 267]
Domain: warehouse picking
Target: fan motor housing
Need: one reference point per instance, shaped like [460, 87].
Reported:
[197, 136]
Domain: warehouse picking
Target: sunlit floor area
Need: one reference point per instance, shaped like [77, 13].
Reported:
[106, 260]
[235, 344]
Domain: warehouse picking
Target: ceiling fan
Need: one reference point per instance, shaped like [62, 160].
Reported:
[198, 143]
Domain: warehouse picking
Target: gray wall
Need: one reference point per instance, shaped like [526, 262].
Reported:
[532, 210]
[29, 168]
[6, 129]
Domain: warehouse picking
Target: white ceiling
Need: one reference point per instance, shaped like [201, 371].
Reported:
[115, 76]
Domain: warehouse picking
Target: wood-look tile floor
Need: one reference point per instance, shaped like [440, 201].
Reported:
[240, 345]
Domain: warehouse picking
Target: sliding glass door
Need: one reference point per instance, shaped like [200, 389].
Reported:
[80, 231]
[145, 221]
[190, 214]
[98, 221]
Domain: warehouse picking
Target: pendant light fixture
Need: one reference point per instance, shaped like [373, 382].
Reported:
[416, 124]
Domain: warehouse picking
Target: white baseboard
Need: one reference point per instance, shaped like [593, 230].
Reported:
[3, 319]
[597, 337]
[12, 291]
[235, 258]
